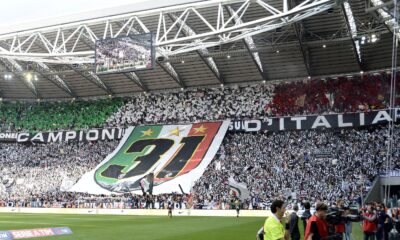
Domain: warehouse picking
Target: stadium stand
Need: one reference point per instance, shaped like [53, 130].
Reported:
[275, 165]
[255, 101]
[192, 105]
[32, 170]
[343, 94]
[50, 166]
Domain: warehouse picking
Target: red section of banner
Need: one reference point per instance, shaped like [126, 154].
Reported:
[208, 130]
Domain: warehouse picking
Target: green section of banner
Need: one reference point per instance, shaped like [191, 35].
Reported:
[123, 160]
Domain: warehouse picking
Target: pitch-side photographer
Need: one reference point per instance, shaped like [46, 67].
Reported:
[317, 227]
[369, 225]
[339, 221]
[348, 226]
[340, 227]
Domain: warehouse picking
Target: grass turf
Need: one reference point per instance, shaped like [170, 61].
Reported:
[112, 227]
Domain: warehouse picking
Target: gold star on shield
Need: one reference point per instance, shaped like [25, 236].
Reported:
[175, 132]
[200, 129]
[148, 132]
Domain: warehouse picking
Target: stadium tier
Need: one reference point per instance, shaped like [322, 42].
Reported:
[254, 101]
[269, 164]
[200, 119]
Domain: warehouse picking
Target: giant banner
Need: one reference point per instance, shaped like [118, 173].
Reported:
[177, 155]
[327, 121]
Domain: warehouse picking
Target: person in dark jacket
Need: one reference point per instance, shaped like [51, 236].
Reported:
[382, 220]
[294, 224]
[306, 214]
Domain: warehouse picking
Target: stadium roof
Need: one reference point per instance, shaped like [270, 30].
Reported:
[200, 42]
[62, 16]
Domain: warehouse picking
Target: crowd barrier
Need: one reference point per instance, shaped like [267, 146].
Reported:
[139, 212]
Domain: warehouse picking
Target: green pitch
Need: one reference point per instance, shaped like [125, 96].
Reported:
[111, 227]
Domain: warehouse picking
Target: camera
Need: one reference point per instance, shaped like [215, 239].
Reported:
[335, 215]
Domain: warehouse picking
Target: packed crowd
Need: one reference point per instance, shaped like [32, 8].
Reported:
[237, 102]
[33, 170]
[297, 165]
[115, 53]
[45, 116]
[256, 101]
[358, 93]
[84, 200]
[290, 165]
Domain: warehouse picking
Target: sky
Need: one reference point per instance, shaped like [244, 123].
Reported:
[20, 11]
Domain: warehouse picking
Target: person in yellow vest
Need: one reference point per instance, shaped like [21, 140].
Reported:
[275, 226]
